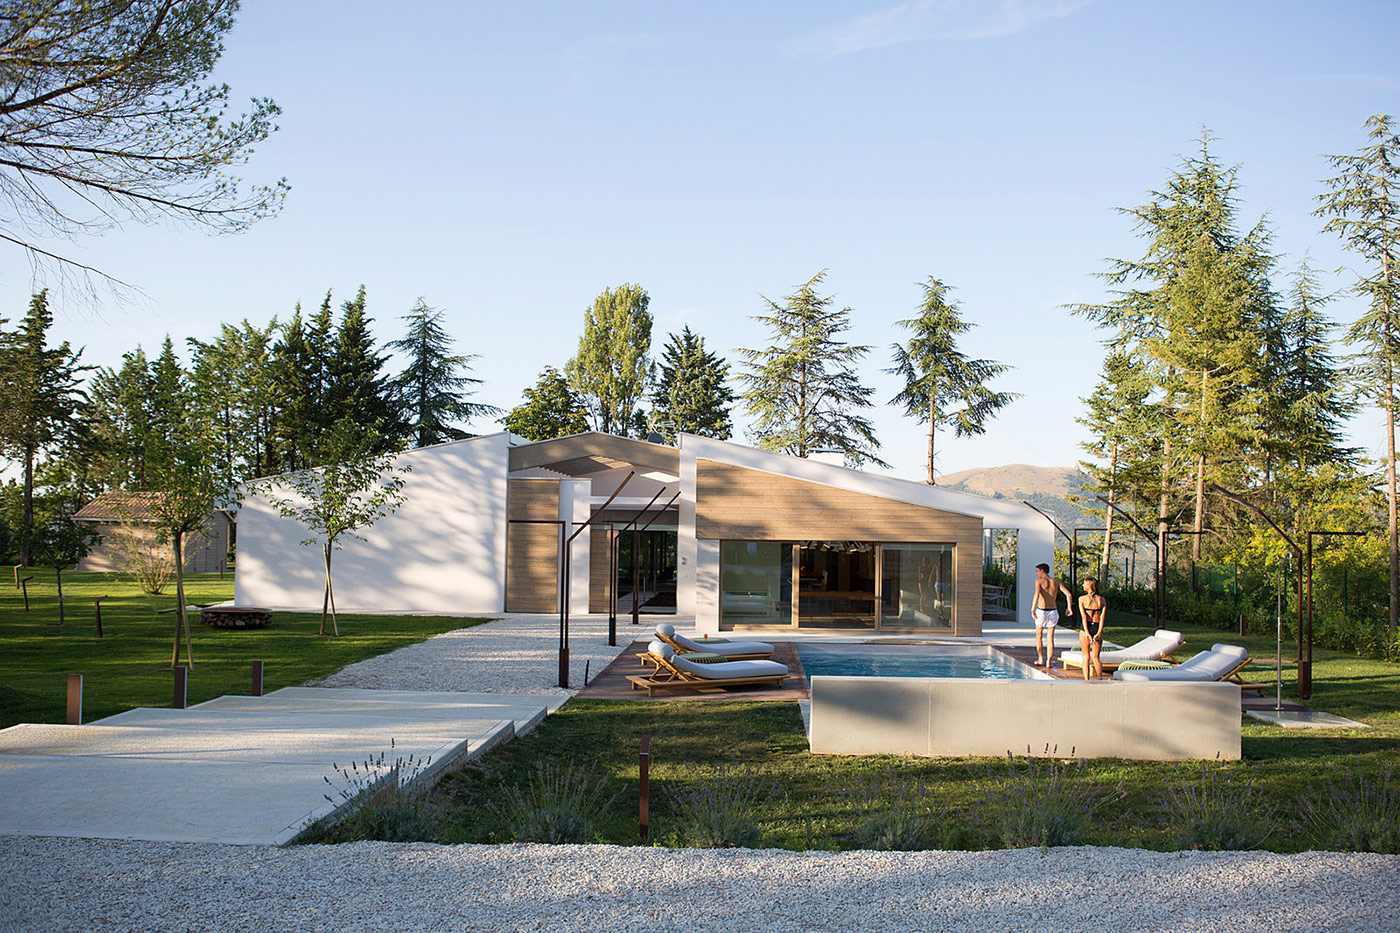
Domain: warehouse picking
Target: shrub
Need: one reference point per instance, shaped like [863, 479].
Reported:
[1044, 802]
[557, 803]
[379, 801]
[1357, 813]
[1221, 811]
[716, 811]
[893, 831]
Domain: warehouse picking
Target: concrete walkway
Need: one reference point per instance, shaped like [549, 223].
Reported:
[236, 769]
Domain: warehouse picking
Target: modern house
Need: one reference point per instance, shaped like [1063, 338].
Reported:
[737, 537]
[113, 516]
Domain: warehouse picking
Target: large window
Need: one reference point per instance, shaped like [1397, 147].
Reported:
[838, 584]
[918, 586]
[755, 583]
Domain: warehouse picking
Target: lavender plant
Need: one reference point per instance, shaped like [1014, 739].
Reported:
[715, 811]
[891, 807]
[1223, 810]
[1357, 813]
[1044, 802]
[557, 804]
[376, 800]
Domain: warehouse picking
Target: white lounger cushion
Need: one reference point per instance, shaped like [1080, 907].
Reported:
[721, 670]
[1151, 648]
[1207, 666]
[725, 648]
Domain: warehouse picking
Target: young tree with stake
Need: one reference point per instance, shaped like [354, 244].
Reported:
[357, 487]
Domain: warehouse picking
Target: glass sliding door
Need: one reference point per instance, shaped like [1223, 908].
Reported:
[837, 584]
[755, 584]
[917, 586]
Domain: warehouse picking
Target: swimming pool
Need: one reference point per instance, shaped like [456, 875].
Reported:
[855, 660]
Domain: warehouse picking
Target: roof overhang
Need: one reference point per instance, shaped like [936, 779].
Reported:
[586, 454]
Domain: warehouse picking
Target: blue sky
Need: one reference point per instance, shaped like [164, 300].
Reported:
[509, 161]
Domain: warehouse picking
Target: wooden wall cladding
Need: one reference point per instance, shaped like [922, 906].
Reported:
[532, 551]
[598, 596]
[734, 503]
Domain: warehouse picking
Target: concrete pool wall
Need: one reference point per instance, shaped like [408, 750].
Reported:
[955, 717]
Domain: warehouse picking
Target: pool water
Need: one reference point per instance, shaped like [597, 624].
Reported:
[975, 661]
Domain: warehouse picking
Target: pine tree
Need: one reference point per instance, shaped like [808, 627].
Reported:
[942, 387]
[231, 386]
[119, 422]
[1196, 311]
[550, 410]
[803, 392]
[611, 371]
[356, 390]
[691, 395]
[43, 395]
[1362, 204]
[295, 392]
[431, 391]
[1122, 426]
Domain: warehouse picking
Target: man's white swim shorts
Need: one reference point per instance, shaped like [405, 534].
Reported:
[1046, 618]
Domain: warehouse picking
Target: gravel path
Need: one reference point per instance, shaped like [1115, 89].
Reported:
[515, 654]
[68, 884]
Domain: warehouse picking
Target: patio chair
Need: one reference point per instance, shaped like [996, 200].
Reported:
[733, 650]
[1152, 648]
[676, 673]
[1220, 663]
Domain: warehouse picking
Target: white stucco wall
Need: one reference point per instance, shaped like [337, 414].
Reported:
[443, 551]
[574, 508]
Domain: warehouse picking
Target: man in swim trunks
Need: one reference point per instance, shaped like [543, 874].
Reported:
[1045, 610]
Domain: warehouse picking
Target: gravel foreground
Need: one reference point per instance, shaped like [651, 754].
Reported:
[85, 884]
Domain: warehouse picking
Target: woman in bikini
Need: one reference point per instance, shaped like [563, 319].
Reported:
[1093, 608]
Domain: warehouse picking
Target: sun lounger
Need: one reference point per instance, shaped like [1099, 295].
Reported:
[1153, 648]
[676, 673]
[734, 650]
[1221, 662]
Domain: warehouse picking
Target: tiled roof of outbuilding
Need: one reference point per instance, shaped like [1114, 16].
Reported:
[118, 506]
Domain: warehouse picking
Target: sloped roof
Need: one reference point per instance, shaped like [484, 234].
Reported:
[119, 507]
[594, 452]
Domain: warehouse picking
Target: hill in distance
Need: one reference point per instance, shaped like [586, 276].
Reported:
[1047, 488]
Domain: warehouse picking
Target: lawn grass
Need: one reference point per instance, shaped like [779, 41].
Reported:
[821, 800]
[130, 665]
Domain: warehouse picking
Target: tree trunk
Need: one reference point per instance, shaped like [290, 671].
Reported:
[932, 421]
[58, 576]
[1107, 554]
[1390, 492]
[1199, 524]
[26, 550]
[329, 600]
[181, 619]
[1161, 580]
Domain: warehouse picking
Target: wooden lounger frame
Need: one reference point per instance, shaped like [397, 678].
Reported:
[670, 677]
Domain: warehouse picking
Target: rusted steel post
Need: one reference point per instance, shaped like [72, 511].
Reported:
[643, 785]
[97, 613]
[24, 586]
[182, 674]
[257, 678]
[75, 699]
